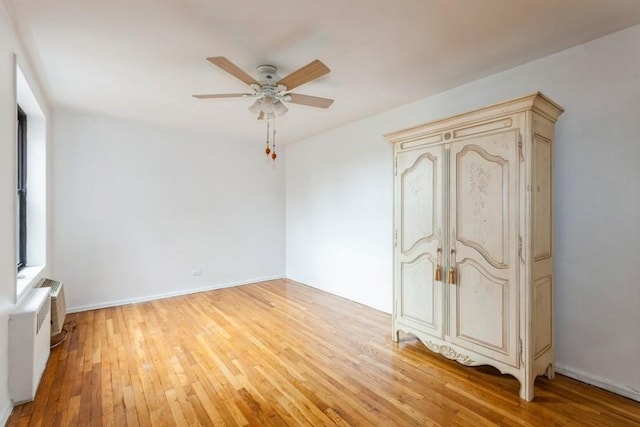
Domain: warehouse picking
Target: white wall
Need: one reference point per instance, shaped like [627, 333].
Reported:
[7, 206]
[339, 188]
[136, 208]
[11, 52]
[339, 198]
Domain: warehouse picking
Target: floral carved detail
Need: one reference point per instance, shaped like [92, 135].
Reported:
[478, 191]
[449, 353]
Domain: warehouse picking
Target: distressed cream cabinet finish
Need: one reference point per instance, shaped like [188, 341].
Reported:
[473, 193]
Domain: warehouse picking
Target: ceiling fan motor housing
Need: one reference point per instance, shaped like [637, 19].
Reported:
[267, 74]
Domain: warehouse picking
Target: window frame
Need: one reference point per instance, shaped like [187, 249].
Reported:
[22, 187]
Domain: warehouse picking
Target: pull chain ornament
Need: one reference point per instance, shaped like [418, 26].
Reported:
[273, 140]
[267, 150]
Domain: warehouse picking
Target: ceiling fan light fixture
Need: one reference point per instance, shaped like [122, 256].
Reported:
[256, 107]
[280, 108]
[267, 105]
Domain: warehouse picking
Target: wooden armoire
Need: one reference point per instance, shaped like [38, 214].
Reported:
[473, 237]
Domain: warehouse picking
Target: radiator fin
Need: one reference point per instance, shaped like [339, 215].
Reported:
[50, 283]
[42, 314]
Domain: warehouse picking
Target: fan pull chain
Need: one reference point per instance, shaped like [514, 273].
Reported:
[273, 140]
[267, 150]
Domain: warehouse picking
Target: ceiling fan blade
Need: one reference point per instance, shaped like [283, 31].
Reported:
[222, 95]
[311, 101]
[232, 69]
[305, 74]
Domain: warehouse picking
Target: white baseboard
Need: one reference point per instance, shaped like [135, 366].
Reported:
[5, 413]
[623, 390]
[146, 298]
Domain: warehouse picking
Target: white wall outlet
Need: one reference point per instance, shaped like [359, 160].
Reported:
[196, 272]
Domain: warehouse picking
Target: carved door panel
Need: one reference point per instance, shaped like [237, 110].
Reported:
[483, 227]
[419, 200]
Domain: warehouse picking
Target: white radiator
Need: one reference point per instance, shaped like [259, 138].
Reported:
[29, 334]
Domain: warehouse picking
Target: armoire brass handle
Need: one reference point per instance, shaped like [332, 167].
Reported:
[438, 272]
[452, 271]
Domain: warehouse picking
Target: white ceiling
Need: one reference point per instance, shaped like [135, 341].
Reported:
[143, 59]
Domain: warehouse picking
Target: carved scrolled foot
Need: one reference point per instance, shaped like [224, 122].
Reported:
[526, 390]
[550, 372]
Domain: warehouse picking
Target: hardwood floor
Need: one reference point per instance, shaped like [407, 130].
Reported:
[280, 353]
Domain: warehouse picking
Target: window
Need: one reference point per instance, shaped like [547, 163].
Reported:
[30, 223]
[21, 214]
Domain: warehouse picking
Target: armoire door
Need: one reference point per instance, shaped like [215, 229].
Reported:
[483, 233]
[418, 216]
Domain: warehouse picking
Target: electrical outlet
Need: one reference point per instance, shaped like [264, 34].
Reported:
[196, 272]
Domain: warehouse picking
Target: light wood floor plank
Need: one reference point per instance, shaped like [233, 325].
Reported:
[280, 353]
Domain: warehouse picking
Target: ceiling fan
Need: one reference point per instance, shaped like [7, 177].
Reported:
[271, 91]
